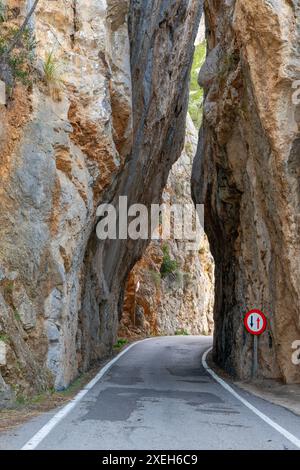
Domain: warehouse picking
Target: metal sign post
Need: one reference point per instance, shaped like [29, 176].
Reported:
[255, 356]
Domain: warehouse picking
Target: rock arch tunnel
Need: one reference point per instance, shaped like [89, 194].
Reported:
[114, 124]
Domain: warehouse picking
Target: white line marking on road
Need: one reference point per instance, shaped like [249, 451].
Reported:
[58, 417]
[293, 439]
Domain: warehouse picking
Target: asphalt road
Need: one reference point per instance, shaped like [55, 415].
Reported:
[159, 396]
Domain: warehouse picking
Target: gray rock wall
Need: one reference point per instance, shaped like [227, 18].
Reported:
[110, 122]
[246, 174]
[181, 299]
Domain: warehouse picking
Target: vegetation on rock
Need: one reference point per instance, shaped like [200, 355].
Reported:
[196, 93]
[17, 46]
[120, 343]
[168, 265]
[51, 68]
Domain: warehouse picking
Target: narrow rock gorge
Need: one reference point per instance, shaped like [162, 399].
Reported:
[171, 289]
[93, 107]
[246, 172]
[96, 110]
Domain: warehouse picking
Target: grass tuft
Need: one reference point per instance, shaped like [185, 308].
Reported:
[51, 68]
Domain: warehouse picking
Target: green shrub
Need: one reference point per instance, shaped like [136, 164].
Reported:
[20, 60]
[120, 343]
[168, 265]
[4, 337]
[181, 332]
[17, 47]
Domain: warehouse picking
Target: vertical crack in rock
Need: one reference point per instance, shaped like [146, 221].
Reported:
[171, 288]
[109, 122]
[162, 36]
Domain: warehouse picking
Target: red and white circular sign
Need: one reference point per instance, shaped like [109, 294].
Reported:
[255, 322]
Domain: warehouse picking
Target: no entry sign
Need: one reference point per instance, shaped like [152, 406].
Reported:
[255, 322]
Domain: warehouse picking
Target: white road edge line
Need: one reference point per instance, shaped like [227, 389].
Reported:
[293, 439]
[58, 417]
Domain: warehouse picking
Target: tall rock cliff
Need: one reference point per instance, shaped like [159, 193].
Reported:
[99, 113]
[171, 289]
[247, 174]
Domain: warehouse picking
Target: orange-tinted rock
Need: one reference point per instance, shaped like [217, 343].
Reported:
[183, 299]
[247, 175]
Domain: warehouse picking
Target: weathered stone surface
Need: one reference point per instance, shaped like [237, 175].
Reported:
[60, 151]
[183, 300]
[70, 143]
[247, 175]
[162, 35]
[24, 308]
[7, 396]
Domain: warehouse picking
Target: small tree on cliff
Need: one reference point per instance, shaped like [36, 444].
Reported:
[8, 62]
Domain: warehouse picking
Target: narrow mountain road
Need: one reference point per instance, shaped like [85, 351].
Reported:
[158, 395]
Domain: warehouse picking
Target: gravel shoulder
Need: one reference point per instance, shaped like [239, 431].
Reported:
[274, 391]
[26, 410]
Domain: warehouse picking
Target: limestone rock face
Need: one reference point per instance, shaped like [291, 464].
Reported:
[162, 35]
[247, 174]
[62, 147]
[182, 300]
[92, 131]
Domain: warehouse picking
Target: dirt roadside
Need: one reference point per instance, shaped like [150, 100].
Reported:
[47, 401]
[287, 396]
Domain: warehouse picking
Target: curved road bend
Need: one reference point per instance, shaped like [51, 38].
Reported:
[159, 396]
